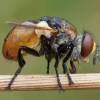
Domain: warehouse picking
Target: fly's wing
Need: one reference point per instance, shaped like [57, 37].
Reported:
[28, 31]
[32, 25]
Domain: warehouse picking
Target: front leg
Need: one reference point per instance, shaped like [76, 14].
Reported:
[73, 68]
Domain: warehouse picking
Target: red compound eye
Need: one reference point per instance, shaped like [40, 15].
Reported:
[87, 45]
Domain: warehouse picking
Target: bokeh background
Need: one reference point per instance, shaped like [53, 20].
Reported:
[83, 14]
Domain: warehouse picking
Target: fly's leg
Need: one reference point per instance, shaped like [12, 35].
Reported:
[57, 75]
[73, 68]
[71, 46]
[48, 61]
[21, 61]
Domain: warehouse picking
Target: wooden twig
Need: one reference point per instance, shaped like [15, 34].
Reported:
[49, 82]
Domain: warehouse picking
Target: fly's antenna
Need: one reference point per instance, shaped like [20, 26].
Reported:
[96, 54]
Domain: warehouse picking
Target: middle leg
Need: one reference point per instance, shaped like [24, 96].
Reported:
[71, 46]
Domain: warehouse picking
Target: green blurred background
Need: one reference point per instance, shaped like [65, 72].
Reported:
[83, 14]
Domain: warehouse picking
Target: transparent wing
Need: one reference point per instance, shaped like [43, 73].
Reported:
[32, 25]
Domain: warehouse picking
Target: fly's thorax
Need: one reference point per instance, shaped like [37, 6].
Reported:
[67, 32]
[63, 37]
[69, 29]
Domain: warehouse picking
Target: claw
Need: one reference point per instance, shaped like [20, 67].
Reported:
[71, 82]
[61, 89]
[8, 88]
[72, 71]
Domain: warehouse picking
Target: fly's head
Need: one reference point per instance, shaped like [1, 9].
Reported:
[85, 45]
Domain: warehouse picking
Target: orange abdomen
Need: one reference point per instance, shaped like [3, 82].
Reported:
[19, 36]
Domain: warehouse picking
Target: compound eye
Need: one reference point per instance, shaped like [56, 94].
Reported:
[87, 45]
